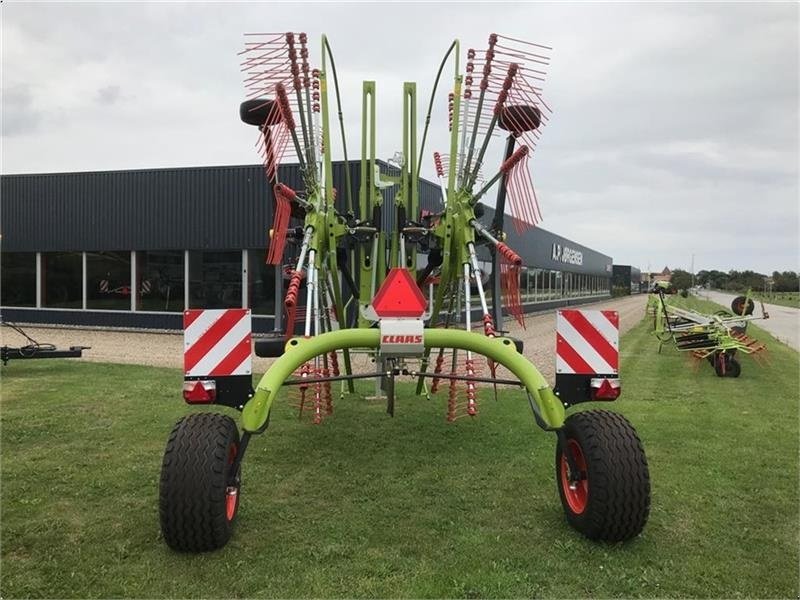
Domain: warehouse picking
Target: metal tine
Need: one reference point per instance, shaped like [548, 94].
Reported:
[510, 39]
[261, 63]
[253, 47]
[540, 60]
[525, 218]
[266, 79]
[523, 68]
[525, 90]
[264, 64]
[486, 71]
[267, 33]
[256, 61]
[496, 111]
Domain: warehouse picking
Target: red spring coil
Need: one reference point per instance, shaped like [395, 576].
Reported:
[488, 325]
[512, 72]
[509, 254]
[507, 83]
[283, 103]
[451, 400]
[472, 409]
[334, 363]
[437, 161]
[487, 66]
[515, 158]
[438, 369]
[326, 391]
[450, 106]
[294, 288]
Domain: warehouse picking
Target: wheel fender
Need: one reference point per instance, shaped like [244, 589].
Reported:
[501, 350]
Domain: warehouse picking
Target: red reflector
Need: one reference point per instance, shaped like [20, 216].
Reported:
[199, 392]
[399, 296]
[605, 389]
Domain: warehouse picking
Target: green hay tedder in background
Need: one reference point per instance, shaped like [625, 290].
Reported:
[716, 338]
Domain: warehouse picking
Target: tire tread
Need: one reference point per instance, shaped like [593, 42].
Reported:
[194, 481]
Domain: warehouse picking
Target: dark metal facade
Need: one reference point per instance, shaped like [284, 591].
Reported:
[155, 209]
[202, 208]
[542, 249]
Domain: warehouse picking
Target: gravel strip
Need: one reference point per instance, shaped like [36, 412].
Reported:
[166, 349]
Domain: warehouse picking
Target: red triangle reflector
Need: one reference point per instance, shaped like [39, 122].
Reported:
[399, 296]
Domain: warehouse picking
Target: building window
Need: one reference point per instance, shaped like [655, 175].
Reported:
[260, 283]
[160, 280]
[62, 279]
[108, 280]
[18, 280]
[215, 279]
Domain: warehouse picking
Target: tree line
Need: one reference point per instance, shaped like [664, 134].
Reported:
[737, 281]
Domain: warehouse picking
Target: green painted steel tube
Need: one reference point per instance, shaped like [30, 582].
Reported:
[301, 350]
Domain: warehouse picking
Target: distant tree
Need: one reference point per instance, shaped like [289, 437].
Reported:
[740, 281]
[712, 279]
[785, 282]
[682, 280]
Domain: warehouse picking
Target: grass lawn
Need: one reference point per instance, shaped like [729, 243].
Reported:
[365, 505]
[782, 298]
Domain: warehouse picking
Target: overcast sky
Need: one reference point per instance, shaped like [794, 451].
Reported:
[675, 126]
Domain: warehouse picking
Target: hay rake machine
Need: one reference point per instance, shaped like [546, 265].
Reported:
[380, 281]
[715, 338]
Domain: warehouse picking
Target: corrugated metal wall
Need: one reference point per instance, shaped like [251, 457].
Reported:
[156, 209]
[197, 208]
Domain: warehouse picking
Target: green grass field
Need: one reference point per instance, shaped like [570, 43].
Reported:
[782, 298]
[365, 505]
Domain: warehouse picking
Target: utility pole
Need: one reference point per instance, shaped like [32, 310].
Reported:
[692, 269]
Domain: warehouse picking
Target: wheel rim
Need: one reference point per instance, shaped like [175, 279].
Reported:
[231, 499]
[231, 492]
[576, 493]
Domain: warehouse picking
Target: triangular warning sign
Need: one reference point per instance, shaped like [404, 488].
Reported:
[399, 296]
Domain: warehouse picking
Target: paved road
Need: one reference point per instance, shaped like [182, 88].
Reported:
[783, 322]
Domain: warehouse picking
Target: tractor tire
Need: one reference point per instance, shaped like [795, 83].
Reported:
[725, 365]
[199, 495]
[734, 369]
[612, 500]
[720, 366]
[740, 309]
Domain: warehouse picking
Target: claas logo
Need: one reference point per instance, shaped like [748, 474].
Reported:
[401, 339]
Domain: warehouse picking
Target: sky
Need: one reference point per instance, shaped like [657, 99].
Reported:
[674, 135]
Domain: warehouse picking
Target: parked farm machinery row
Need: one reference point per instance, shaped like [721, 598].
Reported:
[375, 279]
[716, 338]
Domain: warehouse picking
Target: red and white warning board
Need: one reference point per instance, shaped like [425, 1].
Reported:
[587, 342]
[217, 342]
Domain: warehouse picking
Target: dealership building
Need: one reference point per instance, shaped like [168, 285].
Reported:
[136, 248]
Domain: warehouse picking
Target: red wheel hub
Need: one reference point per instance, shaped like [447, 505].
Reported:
[231, 501]
[575, 492]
